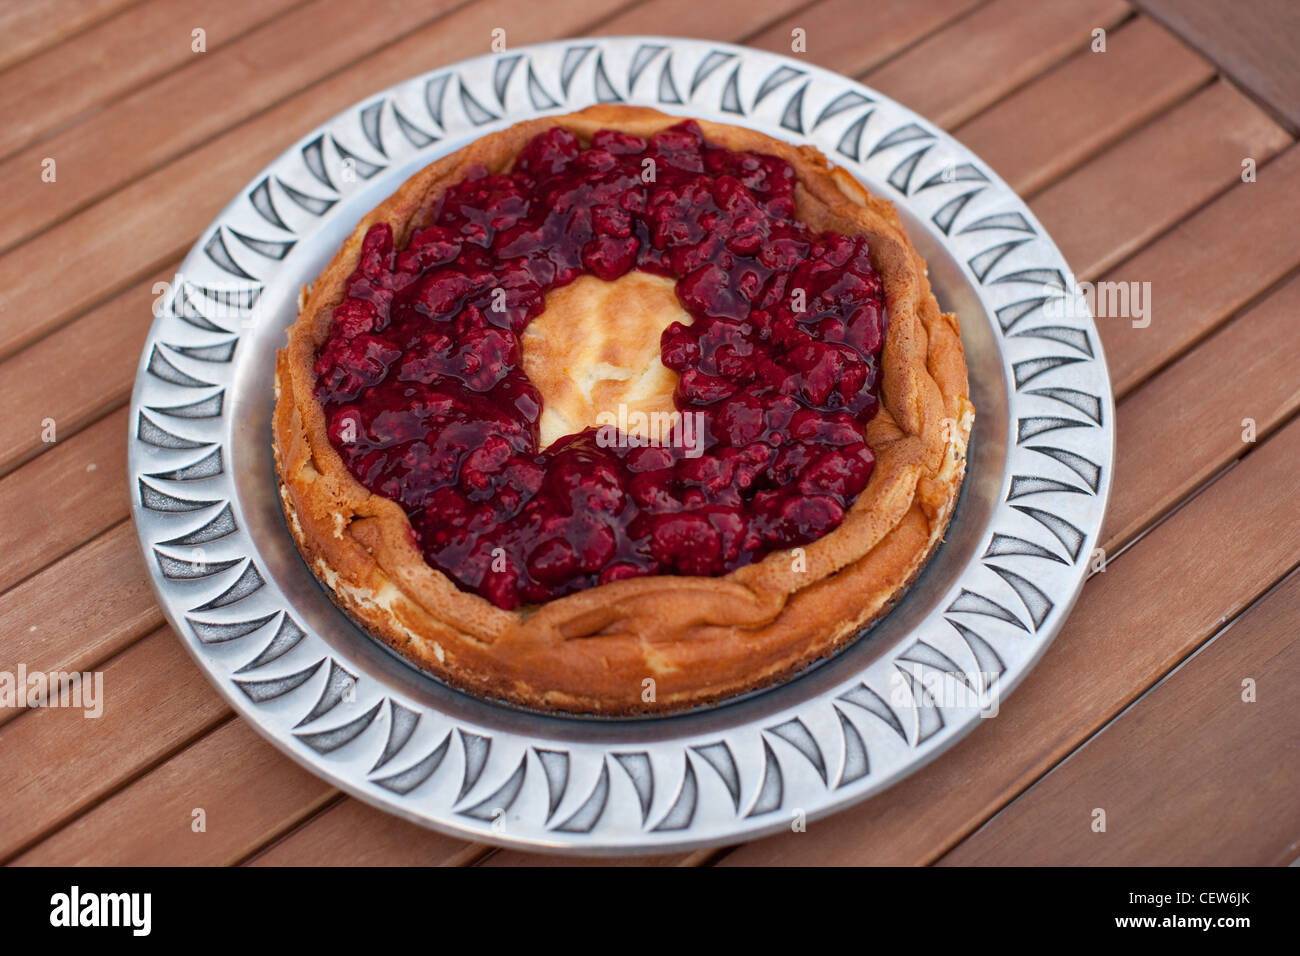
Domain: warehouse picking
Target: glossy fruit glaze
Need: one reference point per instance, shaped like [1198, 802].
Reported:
[426, 400]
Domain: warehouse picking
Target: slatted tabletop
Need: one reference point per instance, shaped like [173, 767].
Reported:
[1169, 697]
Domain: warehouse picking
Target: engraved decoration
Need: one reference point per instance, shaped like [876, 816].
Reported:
[671, 784]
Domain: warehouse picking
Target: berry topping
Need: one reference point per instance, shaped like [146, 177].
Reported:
[426, 400]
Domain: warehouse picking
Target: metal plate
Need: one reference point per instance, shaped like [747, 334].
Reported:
[234, 587]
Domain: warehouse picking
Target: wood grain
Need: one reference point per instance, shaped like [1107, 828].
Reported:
[952, 75]
[1191, 775]
[352, 833]
[1185, 425]
[1085, 104]
[34, 25]
[44, 621]
[187, 106]
[1105, 211]
[56, 762]
[709, 21]
[1207, 268]
[119, 240]
[1255, 43]
[836, 38]
[152, 822]
[63, 499]
[85, 369]
[1152, 606]
[52, 89]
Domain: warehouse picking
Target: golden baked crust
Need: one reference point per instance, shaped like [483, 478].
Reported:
[596, 346]
[699, 639]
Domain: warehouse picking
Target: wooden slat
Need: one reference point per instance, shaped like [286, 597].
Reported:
[964, 68]
[1198, 273]
[112, 244]
[45, 622]
[352, 833]
[690, 18]
[63, 499]
[55, 87]
[1151, 607]
[179, 111]
[1182, 427]
[1084, 105]
[55, 762]
[30, 26]
[85, 369]
[1111, 207]
[104, 248]
[239, 812]
[844, 36]
[1255, 43]
[1192, 775]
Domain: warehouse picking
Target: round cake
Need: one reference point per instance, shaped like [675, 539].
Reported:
[618, 413]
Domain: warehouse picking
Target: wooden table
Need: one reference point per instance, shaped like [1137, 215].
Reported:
[1132, 158]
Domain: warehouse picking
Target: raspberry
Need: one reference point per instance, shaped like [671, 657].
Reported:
[843, 472]
[553, 561]
[615, 141]
[548, 153]
[687, 542]
[608, 257]
[621, 571]
[653, 492]
[353, 317]
[739, 421]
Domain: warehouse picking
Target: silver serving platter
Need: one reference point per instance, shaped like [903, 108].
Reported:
[990, 601]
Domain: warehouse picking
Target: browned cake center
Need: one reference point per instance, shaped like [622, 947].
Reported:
[595, 349]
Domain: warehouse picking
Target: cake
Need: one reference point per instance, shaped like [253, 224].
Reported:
[621, 413]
